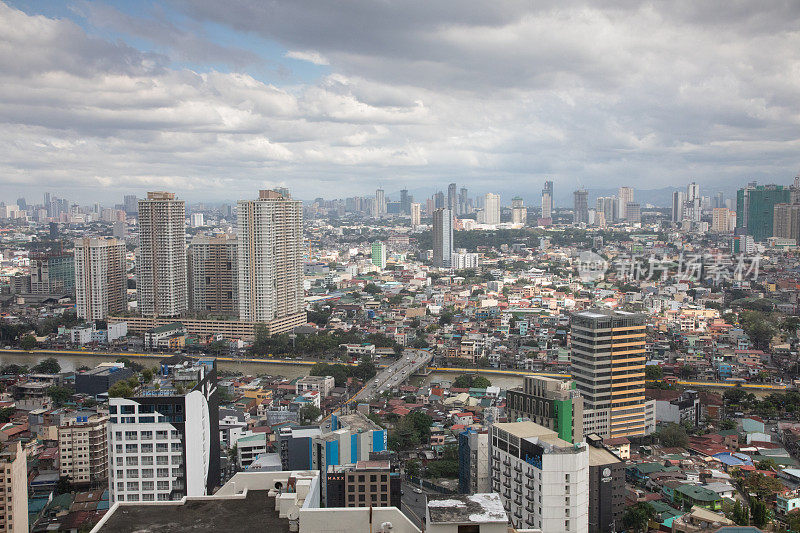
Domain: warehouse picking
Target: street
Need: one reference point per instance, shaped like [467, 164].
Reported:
[395, 374]
[413, 504]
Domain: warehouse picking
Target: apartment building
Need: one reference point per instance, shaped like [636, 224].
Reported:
[442, 237]
[164, 440]
[323, 384]
[214, 275]
[101, 281]
[542, 480]
[14, 489]
[161, 282]
[270, 257]
[607, 365]
[83, 449]
[362, 484]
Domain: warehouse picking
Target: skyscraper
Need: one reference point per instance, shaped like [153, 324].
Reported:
[581, 207]
[694, 202]
[607, 364]
[491, 209]
[100, 278]
[379, 254]
[633, 213]
[786, 223]
[14, 486]
[405, 202]
[547, 200]
[519, 215]
[438, 200]
[757, 206]
[608, 206]
[214, 275]
[416, 214]
[463, 202]
[270, 257]
[161, 283]
[380, 202]
[130, 204]
[625, 196]
[452, 199]
[678, 201]
[442, 237]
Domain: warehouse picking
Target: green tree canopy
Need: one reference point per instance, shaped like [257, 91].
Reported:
[48, 366]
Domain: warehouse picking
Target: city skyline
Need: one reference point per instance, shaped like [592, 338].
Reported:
[215, 103]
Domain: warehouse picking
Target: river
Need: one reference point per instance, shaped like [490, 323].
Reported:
[70, 362]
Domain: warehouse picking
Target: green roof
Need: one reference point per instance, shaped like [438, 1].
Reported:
[167, 327]
[649, 468]
[698, 493]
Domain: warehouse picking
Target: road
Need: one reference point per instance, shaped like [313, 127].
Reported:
[413, 505]
[391, 377]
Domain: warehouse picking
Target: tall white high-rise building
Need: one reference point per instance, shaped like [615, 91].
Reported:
[161, 283]
[542, 480]
[100, 279]
[380, 203]
[625, 196]
[416, 214]
[442, 237]
[164, 439]
[694, 202]
[270, 257]
[491, 209]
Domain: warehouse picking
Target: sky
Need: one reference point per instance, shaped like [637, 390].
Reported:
[215, 100]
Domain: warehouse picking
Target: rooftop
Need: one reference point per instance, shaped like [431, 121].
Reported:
[255, 512]
[465, 509]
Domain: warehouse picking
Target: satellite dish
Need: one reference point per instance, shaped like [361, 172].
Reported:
[293, 514]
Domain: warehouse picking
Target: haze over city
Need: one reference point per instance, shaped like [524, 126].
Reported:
[217, 99]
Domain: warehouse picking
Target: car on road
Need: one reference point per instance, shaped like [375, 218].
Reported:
[417, 490]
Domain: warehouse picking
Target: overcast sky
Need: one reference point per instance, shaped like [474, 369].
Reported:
[216, 99]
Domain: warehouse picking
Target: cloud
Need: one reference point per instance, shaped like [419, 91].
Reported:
[495, 96]
[311, 57]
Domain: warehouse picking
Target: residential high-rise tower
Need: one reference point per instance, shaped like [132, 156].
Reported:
[442, 237]
[161, 283]
[270, 257]
[100, 278]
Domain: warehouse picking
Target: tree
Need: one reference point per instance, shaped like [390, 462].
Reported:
[637, 517]
[760, 515]
[309, 414]
[372, 289]
[6, 414]
[467, 381]
[653, 372]
[413, 468]
[673, 436]
[133, 365]
[48, 366]
[28, 342]
[767, 464]
[63, 486]
[59, 395]
[120, 389]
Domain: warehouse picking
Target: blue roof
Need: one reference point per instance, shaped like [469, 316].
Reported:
[733, 459]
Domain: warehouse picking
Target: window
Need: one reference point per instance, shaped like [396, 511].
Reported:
[133, 485]
[147, 485]
[132, 473]
[131, 435]
[471, 528]
[112, 409]
[147, 448]
[131, 448]
[128, 409]
[162, 485]
[162, 434]
[146, 435]
[162, 472]
[131, 461]
[118, 435]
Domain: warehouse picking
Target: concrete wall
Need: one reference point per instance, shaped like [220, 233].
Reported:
[351, 520]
